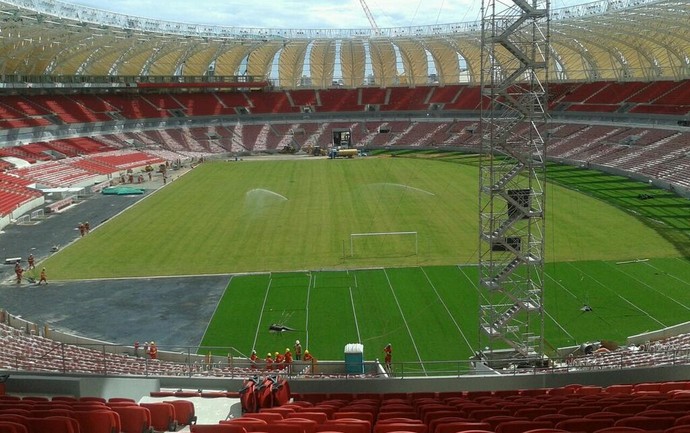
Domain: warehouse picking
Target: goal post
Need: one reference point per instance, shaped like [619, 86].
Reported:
[384, 244]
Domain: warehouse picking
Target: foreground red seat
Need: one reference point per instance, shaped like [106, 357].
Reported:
[133, 419]
[12, 427]
[217, 428]
[398, 427]
[343, 426]
[521, 426]
[587, 425]
[249, 424]
[184, 411]
[269, 417]
[97, 421]
[53, 424]
[162, 415]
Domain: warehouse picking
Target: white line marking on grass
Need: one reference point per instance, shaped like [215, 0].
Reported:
[438, 295]
[312, 283]
[409, 332]
[652, 288]
[354, 312]
[565, 289]
[669, 275]
[261, 314]
[215, 310]
[626, 300]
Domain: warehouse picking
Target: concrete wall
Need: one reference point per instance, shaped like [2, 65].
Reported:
[33, 384]
[107, 387]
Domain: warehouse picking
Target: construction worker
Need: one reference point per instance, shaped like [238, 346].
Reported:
[388, 350]
[153, 350]
[252, 360]
[298, 350]
[280, 359]
[18, 271]
[31, 261]
[43, 278]
[310, 359]
[269, 361]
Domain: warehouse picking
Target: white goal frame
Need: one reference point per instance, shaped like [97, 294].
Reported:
[356, 235]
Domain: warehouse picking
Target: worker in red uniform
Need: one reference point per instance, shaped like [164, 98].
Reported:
[298, 350]
[31, 261]
[252, 360]
[43, 278]
[153, 350]
[18, 271]
[269, 361]
[388, 350]
[308, 356]
[280, 359]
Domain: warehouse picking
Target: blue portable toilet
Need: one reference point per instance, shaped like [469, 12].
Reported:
[354, 358]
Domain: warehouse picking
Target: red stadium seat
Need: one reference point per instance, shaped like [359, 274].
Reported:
[319, 417]
[54, 424]
[587, 425]
[184, 411]
[646, 423]
[398, 427]
[678, 429]
[455, 427]
[133, 419]
[433, 425]
[217, 428]
[345, 427]
[365, 416]
[249, 424]
[97, 421]
[19, 419]
[521, 426]
[307, 425]
[620, 429]
[12, 427]
[267, 416]
[162, 415]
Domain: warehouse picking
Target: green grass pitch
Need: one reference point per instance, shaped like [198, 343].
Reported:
[293, 220]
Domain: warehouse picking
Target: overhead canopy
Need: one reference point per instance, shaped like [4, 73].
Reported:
[607, 40]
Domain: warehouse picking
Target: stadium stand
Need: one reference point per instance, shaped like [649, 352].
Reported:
[646, 144]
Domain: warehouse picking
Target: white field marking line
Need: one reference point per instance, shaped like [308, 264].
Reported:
[678, 259]
[215, 310]
[409, 332]
[653, 289]
[565, 289]
[438, 295]
[312, 282]
[352, 302]
[261, 314]
[622, 297]
[669, 275]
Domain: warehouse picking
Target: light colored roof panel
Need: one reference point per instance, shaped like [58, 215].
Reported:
[614, 39]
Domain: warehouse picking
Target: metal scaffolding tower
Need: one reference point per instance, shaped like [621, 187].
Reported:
[515, 59]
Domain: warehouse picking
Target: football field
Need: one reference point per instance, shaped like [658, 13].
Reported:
[283, 232]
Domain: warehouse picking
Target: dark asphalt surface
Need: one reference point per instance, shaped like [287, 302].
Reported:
[174, 312]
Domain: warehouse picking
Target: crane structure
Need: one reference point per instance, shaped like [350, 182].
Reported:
[370, 17]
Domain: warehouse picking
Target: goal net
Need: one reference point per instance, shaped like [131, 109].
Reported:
[383, 244]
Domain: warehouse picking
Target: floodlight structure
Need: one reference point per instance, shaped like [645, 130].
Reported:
[515, 60]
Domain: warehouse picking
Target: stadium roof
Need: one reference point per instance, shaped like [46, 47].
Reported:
[606, 40]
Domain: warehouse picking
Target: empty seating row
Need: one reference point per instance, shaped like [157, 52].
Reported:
[95, 414]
